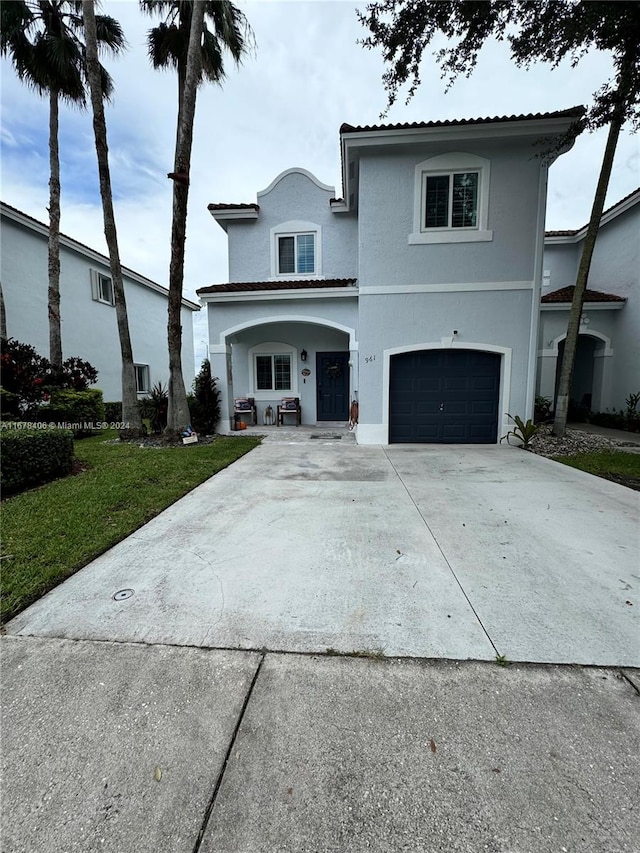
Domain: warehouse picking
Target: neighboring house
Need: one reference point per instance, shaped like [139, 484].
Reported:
[417, 295]
[607, 367]
[89, 328]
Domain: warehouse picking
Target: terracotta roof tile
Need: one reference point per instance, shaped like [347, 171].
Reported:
[297, 284]
[573, 112]
[565, 294]
[223, 206]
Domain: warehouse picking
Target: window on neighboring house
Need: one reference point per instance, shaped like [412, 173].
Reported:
[296, 254]
[142, 378]
[102, 288]
[451, 199]
[273, 372]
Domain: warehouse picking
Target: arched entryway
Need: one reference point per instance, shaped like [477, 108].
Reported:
[587, 382]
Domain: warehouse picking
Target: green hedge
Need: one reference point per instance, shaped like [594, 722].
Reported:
[80, 411]
[113, 412]
[33, 456]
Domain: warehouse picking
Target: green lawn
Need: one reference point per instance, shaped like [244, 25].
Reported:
[50, 532]
[616, 465]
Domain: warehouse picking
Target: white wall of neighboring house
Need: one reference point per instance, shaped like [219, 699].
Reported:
[89, 328]
[610, 332]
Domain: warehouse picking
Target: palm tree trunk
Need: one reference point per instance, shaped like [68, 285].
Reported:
[178, 413]
[573, 328]
[130, 409]
[3, 316]
[53, 296]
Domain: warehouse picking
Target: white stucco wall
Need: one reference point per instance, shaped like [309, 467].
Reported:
[294, 197]
[615, 268]
[89, 328]
[386, 209]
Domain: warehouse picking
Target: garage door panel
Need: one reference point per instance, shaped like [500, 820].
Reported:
[483, 383]
[448, 396]
[456, 383]
[425, 408]
[482, 407]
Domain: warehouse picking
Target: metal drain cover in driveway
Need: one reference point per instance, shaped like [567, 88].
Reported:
[326, 437]
[122, 594]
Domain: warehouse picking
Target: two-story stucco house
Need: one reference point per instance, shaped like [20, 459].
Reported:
[417, 294]
[88, 317]
[607, 367]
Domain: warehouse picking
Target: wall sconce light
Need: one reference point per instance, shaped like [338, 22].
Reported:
[303, 355]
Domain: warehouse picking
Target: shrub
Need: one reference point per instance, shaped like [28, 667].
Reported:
[33, 456]
[113, 412]
[522, 431]
[25, 375]
[29, 378]
[76, 375]
[83, 409]
[204, 403]
[154, 408]
[542, 410]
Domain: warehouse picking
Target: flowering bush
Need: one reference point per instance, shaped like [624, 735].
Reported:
[28, 379]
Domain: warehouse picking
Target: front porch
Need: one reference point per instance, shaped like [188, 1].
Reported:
[314, 433]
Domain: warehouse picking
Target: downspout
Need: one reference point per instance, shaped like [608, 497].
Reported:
[536, 293]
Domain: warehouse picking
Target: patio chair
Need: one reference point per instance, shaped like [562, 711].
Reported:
[289, 406]
[245, 407]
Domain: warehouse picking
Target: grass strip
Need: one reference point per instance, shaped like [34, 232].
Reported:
[615, 465]
[50, 532]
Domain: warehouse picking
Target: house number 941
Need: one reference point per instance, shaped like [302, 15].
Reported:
[369, 358]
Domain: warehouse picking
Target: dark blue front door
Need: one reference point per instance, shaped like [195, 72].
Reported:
[444, 396]
[332, 386]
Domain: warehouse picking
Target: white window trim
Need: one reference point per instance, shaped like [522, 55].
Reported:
[293, 228]
[96, 275]
[273, 348]
[445, 164]
[143, 390]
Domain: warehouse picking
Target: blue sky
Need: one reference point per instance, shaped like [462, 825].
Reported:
[282, 108]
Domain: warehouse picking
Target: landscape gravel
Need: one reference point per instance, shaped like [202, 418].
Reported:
[544, 443]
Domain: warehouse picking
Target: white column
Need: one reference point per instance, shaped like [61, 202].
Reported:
[220, 357]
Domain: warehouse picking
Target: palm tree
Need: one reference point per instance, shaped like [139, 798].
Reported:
[44, 40]
[184, 41]
[130, 409]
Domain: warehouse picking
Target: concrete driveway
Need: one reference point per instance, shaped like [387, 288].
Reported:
[419, 551]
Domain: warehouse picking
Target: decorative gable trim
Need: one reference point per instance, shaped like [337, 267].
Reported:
[296, 170]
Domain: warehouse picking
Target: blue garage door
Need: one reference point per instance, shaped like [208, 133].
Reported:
[444, 396]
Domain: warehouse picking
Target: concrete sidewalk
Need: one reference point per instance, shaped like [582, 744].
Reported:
[213, 709]
[127, 748]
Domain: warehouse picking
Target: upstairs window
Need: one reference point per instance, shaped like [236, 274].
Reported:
[102, 288]
[296, 254]
[296, 250]
[451, 201]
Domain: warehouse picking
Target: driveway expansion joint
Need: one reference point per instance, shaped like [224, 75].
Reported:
[444, 556]
[216, 789]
